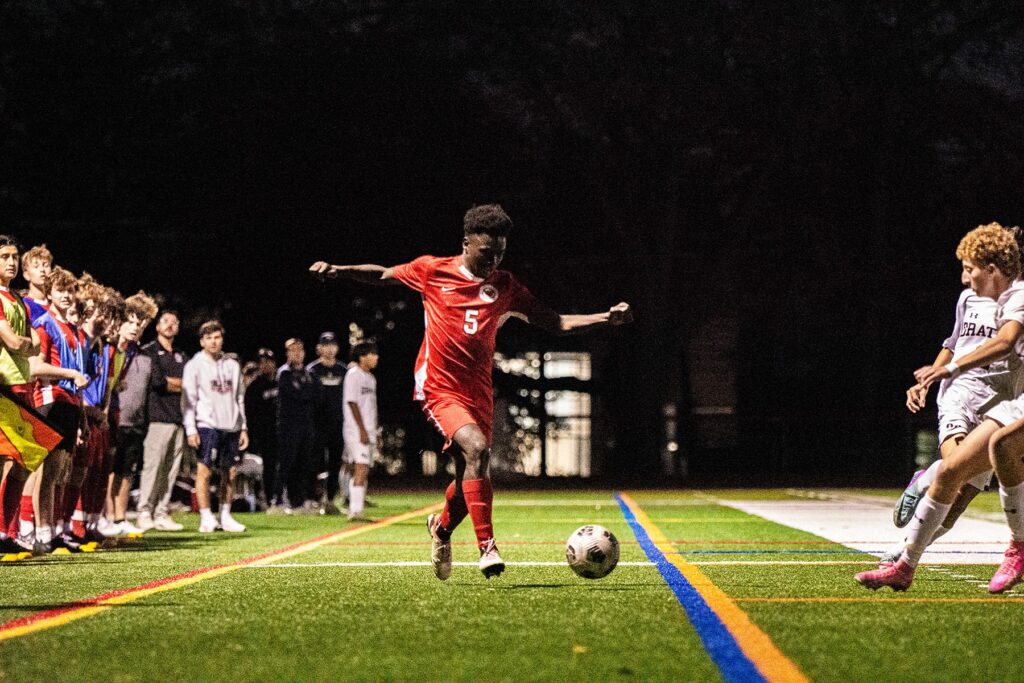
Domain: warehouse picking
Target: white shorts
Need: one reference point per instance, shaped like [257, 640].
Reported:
[1007, 412]
[963, 404]
[982, 481]
[357, 452]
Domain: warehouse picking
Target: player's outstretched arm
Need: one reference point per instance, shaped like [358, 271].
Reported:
[557, 323]
[368, 273]
[917, 394]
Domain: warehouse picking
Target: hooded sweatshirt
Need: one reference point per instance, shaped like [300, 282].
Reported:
[212, 395]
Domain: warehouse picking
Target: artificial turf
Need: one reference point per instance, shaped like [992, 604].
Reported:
[321, 621]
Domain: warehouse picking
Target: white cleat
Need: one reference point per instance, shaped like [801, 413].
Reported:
[491, 563]
[440, 551]
[207, 526]
[231, 525]
[165, 523]
[145, 521]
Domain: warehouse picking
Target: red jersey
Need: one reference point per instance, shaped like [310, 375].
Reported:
[61, 345]
[462, 314]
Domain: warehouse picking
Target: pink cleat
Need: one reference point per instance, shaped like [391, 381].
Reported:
[1010, 571]
[897, 576]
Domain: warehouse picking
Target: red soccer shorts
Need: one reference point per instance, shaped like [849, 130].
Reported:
[449, 414]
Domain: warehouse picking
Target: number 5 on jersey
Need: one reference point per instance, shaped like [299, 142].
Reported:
[471, 323]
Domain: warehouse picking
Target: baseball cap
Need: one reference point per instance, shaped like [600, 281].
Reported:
[265, 353]
[327, 338]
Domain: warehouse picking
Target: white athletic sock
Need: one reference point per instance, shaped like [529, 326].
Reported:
[225, 511]
[357, 497]
[44, 534]
[927, 518]
[345, 483]
[926, 479]
[1012, 499]
[26, 528]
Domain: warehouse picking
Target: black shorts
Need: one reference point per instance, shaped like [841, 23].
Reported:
[129, 450]
[66, 418]
[218, 448]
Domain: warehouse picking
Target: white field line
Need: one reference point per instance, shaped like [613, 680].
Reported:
[848, 522]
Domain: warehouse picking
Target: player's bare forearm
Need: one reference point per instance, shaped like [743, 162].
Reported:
[357, 417]
[620, 314]
[994, 349]
[944, 357]
[367, 273]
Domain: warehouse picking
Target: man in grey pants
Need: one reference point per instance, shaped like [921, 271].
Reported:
[165, 440]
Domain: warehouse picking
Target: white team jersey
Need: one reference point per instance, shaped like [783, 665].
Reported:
[1010, 308]
[360, 387]
[975, 324]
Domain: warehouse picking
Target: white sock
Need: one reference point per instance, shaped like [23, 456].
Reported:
[225, 511]
[345, 483]
[26, 528]
[356, 496]
[44, 534]
[1012, 499]
[927, 519]
[926, 479]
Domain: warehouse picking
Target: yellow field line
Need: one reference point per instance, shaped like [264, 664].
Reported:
[754, 642]
[74, 611]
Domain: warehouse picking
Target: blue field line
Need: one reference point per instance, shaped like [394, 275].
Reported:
[720, 644]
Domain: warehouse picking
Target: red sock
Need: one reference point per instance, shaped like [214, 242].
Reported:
[479, 496]
[454, 510]
[28, 512]
[10, 501]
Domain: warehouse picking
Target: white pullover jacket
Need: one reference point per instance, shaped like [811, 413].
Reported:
[212, 395]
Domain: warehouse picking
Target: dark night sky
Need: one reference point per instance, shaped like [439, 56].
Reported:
[802, 171]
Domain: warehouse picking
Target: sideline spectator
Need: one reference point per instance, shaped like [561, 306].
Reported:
[296, 393]
[213, 408]
[328, 416]
[261, 415]
[165, 440]
[360, 423]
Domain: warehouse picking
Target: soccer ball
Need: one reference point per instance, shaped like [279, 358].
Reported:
[592, 551]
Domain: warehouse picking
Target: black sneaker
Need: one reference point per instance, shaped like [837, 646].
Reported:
[39, 548]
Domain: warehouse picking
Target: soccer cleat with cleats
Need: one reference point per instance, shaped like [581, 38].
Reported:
[231, 525]
[40, 548]
[208, 526]
[491, 563]
[907, 503]
[898, 576]
[440, 551]
[64, 545]
[1010, 571]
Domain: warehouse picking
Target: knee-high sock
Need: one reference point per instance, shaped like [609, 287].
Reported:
[10, 503]
[479, 497]
[27, 516]
[1012, 499]
[927, 519]
[454, 512]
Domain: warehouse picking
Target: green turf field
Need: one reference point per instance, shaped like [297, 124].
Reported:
[347, 609]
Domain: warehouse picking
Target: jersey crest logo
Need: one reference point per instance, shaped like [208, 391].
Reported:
[489, 293]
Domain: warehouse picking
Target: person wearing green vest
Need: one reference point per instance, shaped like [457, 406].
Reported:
[18, 341]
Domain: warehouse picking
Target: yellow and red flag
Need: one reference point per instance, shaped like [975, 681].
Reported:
[25, 435]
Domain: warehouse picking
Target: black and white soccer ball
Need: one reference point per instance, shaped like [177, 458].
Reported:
[592, 551]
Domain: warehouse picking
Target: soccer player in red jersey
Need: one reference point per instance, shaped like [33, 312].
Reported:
[466, 300]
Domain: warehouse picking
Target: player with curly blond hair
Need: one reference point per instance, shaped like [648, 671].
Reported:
[991, 264]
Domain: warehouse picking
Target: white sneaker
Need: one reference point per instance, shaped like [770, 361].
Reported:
[491, 563]
[230, 524]
[107, 527]
[145, 521]
[440, 551]
[165, 523]
[129, 530]
[207, 526]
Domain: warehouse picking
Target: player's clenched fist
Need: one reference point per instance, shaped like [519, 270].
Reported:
[620, 314]
[323, 269]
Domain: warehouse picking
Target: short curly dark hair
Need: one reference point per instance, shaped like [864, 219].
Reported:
[487, 219]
